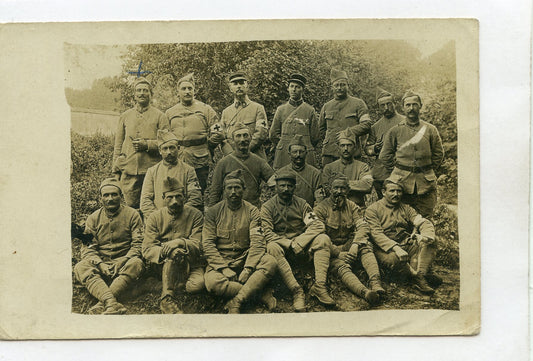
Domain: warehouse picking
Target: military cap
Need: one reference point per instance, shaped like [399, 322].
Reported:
[383, 94]
[165, 135]
[235, 175]
[142, 80]
[345, 134]
[339, 177]
[297, 139]
[189, 77]
[393, 179]
[285, 174]
[172, 185]
[111, 182]
[298, 78]
[240, 126]
[337, 75]
[409, 94]
[238, 75]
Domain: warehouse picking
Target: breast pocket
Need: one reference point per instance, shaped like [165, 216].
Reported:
[223, 233]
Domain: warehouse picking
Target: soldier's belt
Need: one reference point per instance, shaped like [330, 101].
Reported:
[413, 169]
[192, 142]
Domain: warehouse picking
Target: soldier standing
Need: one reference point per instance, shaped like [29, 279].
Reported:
[412, 151]
[295, 117]
[172, 240]
[135, 147]
[247, 112]
[374, 143]
[342, 112]
[235, 248]
[196, 126]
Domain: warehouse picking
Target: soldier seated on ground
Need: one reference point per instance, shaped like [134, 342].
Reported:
[113, 255]
[172, 240]
[349, 236]
[404, 240]
[235, 248]
[291, 226]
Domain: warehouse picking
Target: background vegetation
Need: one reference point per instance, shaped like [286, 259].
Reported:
[371, 66]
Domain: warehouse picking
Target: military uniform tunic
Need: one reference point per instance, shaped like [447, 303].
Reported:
[257, 170]
[192, 126]
[252, 115]
[152, 190]
[308, 181]
[291, 119]
[359, 178]
[338, 115]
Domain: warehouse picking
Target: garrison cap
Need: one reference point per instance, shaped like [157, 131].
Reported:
[297, 139]
[339, 177]
[298, 78]
[393, 179]
[337, 75]
[235, 175]
[142, 80]
[111, 182]
[172, 185]
[240, 126]
[189, 77]
[238, 75]
[285, 174]
[345, 134]
[383, 94]
[409, 94]
[165, 135]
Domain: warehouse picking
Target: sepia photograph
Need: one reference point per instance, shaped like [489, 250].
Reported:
[263, 176]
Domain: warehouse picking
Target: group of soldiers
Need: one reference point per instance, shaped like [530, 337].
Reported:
[153, 207]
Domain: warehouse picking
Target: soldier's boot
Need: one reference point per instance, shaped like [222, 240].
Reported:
[268, 299]
[425, 258]
[120, 285]
[232, 289]
[99, 289]
[298, 299]
[254, 284]
[169, 278]
[168, 305]
[319, 289]
[298, 296]
[354, 285]
[368, 260]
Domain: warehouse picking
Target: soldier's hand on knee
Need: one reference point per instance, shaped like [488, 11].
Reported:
[229, 273]
[245, 274]
[400, 253]
[105, 269]
[296, 248]
[119, 263]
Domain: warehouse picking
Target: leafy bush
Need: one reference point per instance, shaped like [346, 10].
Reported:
[91, 162]
[445, 218]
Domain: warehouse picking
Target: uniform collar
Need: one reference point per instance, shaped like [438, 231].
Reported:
[296, 103]
[244, 103]
[141, 109]
[283, 203]
[114, 214]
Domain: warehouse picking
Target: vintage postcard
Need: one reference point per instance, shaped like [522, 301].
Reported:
[246, 178]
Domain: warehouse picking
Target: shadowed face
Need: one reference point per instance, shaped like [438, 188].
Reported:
[239, 88]
[285, 189]
[143, 94]
[186, 92]
[111, 198]
[169, 151]
[295, 91]
[392, 193]
[340, 88]
[298, 154]
[347, 149]
[411, 107]
[242, 140]
[234, 190]
[386, 107]
[339, 190]
[174, 200]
